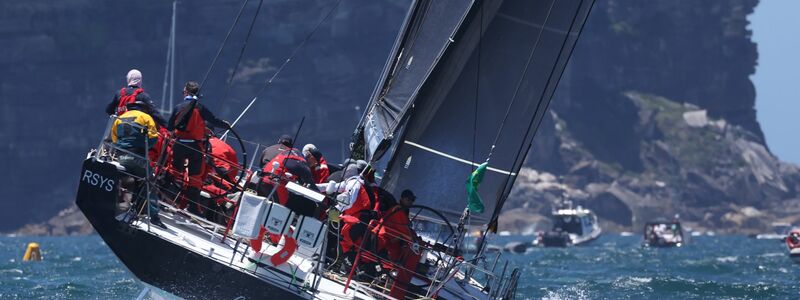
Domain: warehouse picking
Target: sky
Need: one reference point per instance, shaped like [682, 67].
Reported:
[776, 30]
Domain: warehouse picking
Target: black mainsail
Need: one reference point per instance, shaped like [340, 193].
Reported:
[484, 97]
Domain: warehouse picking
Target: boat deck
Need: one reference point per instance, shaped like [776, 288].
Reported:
[296, 275]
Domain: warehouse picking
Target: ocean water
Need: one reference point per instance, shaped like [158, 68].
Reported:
[613, 267]
[73, 268]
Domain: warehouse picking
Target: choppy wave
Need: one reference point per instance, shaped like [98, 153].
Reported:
[613, 267]
[73, 268]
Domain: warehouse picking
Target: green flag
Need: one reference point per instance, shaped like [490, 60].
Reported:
[474, 202]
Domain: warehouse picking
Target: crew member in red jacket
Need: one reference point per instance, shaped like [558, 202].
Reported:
[398, 242]
[188, 124]
[224, 158]
[317, 163]
[220, 178]
[290, 165]
[285, 142]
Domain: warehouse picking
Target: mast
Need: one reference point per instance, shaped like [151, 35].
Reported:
[169, 66]
[172, 53]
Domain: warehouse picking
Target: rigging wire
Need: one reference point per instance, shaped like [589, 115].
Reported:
[521, 79]
[508, 182]
[475, 111]
[477, 89]
[241, 54]
[289, 59]
[224, 41]
[492, 219]
[174, 35]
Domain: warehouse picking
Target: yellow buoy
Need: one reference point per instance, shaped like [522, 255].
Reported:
[32, 253]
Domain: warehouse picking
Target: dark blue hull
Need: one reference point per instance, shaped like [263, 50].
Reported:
[159, 262]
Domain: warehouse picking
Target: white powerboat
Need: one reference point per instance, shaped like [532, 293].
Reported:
[571, 227]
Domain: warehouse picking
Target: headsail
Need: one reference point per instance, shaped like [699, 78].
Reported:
[494, 82]
[427, 34]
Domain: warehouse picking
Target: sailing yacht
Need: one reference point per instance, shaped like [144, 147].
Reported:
[464, 87]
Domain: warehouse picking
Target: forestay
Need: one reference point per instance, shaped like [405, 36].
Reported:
[494, 82]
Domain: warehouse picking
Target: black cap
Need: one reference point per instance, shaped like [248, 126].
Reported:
[408, 194]
[286, 140]
[362, 164]
[315, 153]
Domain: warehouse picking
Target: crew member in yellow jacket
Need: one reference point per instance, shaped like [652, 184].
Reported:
[133, 134]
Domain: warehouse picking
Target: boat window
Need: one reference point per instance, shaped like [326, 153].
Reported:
[569, 224]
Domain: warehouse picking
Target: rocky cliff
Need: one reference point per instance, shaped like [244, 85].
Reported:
[654, 116]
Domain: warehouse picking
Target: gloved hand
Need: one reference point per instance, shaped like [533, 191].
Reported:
[331, 188]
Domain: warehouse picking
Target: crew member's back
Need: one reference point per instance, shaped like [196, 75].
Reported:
[285, 142]
[133, 92]
[188, 124]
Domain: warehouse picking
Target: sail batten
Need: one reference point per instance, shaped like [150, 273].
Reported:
[490, 86]
[455, 158]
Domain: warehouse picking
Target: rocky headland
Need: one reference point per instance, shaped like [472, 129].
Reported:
[653, 117]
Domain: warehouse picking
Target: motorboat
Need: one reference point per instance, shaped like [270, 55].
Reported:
[793, 244]
[571, 227]
[663, 234]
